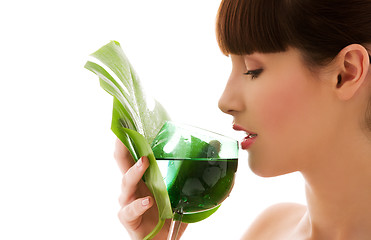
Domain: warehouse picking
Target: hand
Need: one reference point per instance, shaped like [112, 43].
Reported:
[138, 213]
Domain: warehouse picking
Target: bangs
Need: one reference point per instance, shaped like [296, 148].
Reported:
[248, 26]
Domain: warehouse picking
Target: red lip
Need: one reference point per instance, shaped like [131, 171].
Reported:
[247, 141]
[239, 128]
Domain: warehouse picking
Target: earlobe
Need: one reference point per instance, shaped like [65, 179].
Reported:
[353, 62]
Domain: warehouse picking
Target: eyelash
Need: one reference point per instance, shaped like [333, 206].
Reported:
[254, 73]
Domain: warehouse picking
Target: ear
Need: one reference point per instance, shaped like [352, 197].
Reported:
[352, 68]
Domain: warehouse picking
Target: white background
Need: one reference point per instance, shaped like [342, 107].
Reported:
[58, 178]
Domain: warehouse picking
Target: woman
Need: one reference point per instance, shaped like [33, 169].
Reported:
[300, 86]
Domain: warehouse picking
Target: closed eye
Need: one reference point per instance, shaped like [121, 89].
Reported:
[254, 73]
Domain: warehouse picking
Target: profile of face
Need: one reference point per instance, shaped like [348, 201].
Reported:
[291, 109]
[297, 84]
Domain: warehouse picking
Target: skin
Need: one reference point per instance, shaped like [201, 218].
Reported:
[138, 213]
[309, 122]
[306, 121]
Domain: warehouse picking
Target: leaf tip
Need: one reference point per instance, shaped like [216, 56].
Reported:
[116, 43]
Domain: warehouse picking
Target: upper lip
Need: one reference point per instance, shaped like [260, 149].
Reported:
[240, 128]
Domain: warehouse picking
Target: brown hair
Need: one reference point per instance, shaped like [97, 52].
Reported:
[318, 28]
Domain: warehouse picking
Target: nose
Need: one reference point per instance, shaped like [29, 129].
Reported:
[231, 100]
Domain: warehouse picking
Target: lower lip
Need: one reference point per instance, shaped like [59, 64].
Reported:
[247, 142]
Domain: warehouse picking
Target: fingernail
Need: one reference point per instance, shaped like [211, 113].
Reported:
[145, 202]
[139, 163]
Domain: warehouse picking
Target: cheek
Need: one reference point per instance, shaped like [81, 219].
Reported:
[283, 120]
[290, 112]
[283, 108]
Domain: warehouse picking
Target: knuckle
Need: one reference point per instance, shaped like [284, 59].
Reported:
[128, 214]
[131, 178]
[122, 217]
[124, 181]
[116, 155]
[130, 223]
[118, 152]
[122, 200]
[121, 151]
[127, 182]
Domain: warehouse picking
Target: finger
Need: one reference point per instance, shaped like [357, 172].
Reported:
[123, 156]
[131, 179]
[130, 215]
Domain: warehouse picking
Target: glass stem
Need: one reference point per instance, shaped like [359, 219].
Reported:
[175, 225]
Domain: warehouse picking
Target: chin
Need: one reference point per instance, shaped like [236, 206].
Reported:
[267, 169]
[264, 173]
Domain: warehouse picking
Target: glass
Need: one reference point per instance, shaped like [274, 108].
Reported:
[198, 167]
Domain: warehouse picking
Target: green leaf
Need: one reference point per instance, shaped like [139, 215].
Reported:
[154, 179]
[131, 115]
[135, 123]
[157, 186]
[149, 121]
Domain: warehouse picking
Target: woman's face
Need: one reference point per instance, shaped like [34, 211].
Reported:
[282, 102]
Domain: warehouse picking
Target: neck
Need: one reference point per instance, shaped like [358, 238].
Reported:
[338, 192]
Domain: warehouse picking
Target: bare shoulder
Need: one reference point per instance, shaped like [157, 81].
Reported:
[276, 222]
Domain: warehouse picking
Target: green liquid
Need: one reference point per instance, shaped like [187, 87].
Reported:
[197, 185]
